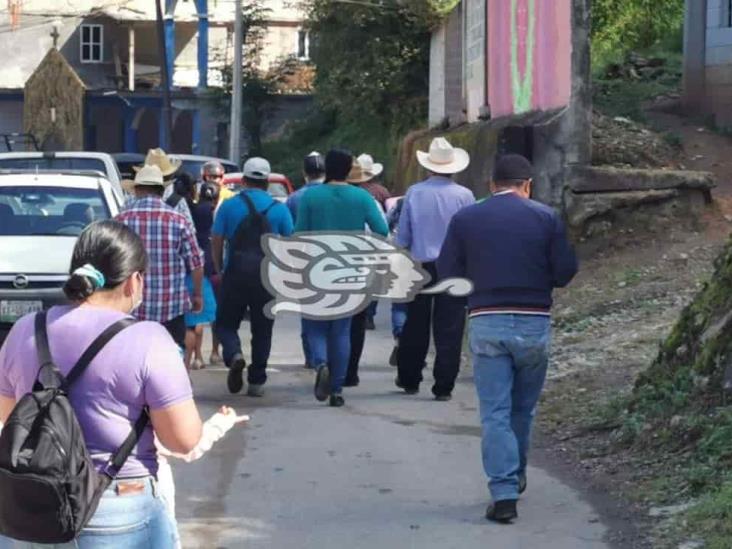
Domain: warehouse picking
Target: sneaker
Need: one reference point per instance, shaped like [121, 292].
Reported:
[407, 390]
[255, 390]
[336, 401]
[322, 383]
[235, 379]
[393, 356]
[522, 483]
[443, 398]
[370, 324]
[502, 512]
[215, 359]
[352, 382]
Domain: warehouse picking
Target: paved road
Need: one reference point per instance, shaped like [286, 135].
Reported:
[387, 471]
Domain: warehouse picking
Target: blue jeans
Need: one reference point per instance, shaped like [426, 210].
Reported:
[510, 360]
[371, 310]
[306, 344]
[398, 318]
[330, 344]
[138, 521]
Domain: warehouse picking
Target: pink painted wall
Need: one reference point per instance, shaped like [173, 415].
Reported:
[547, 51]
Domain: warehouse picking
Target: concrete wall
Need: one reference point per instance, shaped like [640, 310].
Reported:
[475, 60]
[556, 139]
[454, 85]
[437, 77]
[695, 36]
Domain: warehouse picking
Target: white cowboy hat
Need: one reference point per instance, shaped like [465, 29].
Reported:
[364, 169]
[147, 176]
[157, 157]
[443, 157]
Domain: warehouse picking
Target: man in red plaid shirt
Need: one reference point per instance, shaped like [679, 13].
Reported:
[172, 249]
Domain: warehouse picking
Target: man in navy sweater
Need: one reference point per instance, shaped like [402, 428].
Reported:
[515, 251]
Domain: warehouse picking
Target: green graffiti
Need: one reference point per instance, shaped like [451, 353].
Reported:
[522, 85]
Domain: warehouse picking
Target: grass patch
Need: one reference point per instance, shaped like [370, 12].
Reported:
[626, 97]
[322, 131]
[713, 517]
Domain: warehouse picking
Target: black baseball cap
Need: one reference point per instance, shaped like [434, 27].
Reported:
[512, 167]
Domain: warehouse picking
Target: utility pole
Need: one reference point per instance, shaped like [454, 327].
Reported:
[235, 126]
[166, 118]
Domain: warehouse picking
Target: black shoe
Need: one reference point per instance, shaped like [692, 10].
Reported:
[336, 401]
[522, 483]
[503, 512]
[322, 384]
[235, 379]
[443, 398]
[393, 357]
[408, 390]
[352, 382]
[370, 324]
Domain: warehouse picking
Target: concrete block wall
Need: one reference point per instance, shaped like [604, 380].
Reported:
[454, 98]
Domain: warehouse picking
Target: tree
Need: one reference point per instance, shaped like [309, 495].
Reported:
[259, 86]
[619, 26]
[372, 59]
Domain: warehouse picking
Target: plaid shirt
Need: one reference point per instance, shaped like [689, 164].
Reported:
[170, 241]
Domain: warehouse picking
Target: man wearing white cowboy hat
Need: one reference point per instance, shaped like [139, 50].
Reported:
[172, 249]
[426, 213]
[168, 167]
[364, 174]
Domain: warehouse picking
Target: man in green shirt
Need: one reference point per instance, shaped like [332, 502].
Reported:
[338, 207]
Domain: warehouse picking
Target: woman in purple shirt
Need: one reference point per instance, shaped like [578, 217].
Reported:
[141, 367]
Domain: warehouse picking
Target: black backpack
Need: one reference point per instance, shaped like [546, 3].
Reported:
[245, 249]
[49, 487]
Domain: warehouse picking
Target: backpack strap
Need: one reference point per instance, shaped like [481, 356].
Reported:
[252, 210]
[93, 350]
[117, 461]
[49, 375]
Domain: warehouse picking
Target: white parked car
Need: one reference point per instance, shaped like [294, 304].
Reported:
[41, 216]
[65, 161]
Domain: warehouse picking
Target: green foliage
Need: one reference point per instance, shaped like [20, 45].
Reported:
[372, 78]
[372, 61]
[259, 87]
[321, 131]
[713, 517]
[627, 97]
[620, 26]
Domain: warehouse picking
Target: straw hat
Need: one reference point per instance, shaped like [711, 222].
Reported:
[364, 169]
[147, 176]
[157, 157]
[443, 157]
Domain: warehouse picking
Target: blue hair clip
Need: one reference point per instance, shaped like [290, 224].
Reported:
[93, 274]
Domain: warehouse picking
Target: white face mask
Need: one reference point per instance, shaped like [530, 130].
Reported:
[138, 297]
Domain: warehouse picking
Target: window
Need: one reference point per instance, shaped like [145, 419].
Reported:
[92, 43]
[51, 211]
[303, 44]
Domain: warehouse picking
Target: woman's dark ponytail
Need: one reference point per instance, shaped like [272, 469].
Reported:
[106, 254]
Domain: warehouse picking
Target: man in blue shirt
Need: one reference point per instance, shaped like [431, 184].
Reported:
[313, 170]
[516, 252]
[240, 292]
[314, 173]
[427, 210]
